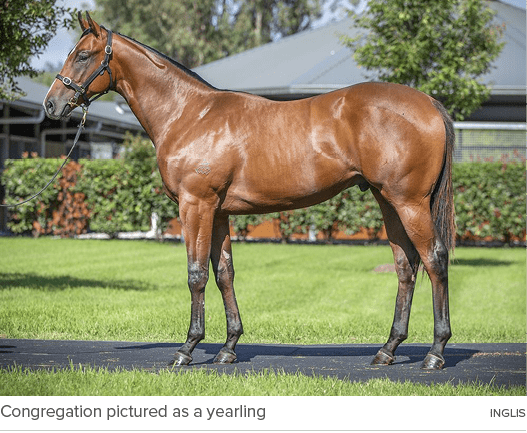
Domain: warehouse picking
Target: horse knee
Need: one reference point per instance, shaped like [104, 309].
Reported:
[197, 277]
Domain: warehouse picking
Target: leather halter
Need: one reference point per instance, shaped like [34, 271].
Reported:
[80, 90]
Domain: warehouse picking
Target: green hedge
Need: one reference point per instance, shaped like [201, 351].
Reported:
[123, 194]
[490, 200]
[21, 179]
[120, 195]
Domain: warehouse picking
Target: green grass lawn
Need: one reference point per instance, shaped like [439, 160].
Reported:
[303, 294]
[101, 382]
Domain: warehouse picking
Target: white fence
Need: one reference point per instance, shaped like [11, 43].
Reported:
[485, 141]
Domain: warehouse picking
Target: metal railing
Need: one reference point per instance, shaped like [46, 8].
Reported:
[490, 141]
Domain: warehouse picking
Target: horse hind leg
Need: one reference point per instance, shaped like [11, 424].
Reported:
[221, 259]
[420, 228]
[406, 264]
[435, 259]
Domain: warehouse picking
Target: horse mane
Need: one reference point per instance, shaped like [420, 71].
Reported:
[171, 60]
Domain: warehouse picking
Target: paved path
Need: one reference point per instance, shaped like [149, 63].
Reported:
[501, 364]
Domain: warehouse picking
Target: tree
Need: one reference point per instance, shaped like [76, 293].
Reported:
[440, 47]
[199, 32]
[26, 27]
[267, 20]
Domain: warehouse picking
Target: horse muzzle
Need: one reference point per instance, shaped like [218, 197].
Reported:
[56, 109]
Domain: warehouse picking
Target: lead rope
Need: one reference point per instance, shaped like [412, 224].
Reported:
[79, 131]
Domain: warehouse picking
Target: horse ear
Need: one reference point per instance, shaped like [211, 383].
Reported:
[83, 23]
[94, 27]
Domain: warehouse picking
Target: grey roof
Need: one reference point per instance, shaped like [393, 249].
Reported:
[315, 61]
[114, 113]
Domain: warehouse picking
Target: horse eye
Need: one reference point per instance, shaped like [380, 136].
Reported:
[82, 57]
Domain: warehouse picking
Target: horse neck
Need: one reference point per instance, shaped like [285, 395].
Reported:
[156, 90]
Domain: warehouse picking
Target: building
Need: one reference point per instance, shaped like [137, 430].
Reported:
[25, 128]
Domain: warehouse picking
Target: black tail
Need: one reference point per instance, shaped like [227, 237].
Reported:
[442, 203]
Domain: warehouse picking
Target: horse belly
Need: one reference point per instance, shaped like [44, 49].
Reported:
[292, 183]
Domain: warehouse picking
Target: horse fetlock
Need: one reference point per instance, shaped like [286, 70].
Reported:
[235, 331]
[398, 334]
[196, 333]
[442, 333]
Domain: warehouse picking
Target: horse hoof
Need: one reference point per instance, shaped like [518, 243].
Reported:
[225, 357]
[433, 362]
[383, 358]
[180, 359]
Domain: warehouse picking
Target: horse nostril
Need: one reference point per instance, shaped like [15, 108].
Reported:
[50, 106]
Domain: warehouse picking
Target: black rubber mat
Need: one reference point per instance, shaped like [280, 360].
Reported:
[500, 364]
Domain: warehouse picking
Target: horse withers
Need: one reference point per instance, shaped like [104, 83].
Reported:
[224, 153]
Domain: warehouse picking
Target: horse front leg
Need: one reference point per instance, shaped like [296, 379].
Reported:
[197, 220]
[221, 258]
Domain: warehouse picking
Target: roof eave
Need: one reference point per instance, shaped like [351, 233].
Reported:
[133, 124]
[508, 90]
[295, 89]
[303, 89]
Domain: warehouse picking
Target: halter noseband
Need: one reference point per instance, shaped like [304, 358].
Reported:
[80, 91]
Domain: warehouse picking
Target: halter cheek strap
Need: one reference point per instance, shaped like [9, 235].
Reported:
[80, 90]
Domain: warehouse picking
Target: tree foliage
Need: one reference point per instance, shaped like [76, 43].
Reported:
[199, 32]
[26, 27]
[440, 47]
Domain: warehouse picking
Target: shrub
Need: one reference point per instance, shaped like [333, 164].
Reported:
[106, 196]
[123, 194]
[490, 200]
[58, 210]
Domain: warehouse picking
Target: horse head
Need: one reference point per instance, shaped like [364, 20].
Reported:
[82, 78]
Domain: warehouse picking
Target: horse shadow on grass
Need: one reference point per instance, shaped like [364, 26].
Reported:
[481, 261]
[62, 282]
[246, 353]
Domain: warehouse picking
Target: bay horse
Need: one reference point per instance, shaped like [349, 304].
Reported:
[224, 153]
